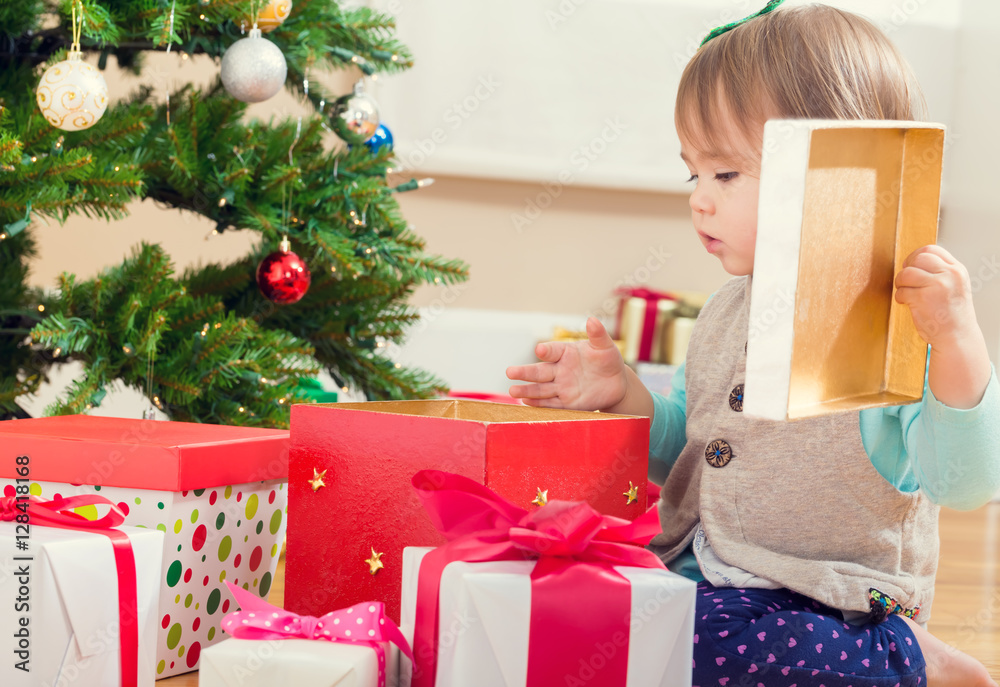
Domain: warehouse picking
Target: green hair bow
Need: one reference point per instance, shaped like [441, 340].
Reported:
[772, 5]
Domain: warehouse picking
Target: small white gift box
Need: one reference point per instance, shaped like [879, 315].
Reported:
[298, 662]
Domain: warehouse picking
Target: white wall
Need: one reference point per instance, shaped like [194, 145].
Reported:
[970, 226]
[582, 91]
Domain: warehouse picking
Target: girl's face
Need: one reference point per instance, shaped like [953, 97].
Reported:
[724, 205]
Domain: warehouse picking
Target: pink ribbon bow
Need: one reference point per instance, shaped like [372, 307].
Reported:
[577, 598]
[59, 513]
[363, 623]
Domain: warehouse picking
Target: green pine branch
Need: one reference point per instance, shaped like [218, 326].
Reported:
[138, 314]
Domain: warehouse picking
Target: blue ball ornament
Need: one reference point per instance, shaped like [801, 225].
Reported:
[381, 137]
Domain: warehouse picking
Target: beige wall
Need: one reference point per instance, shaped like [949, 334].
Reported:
[570, 257]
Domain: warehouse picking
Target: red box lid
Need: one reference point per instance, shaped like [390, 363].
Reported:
[144, 454]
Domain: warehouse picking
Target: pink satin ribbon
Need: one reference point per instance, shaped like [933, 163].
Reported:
[652, 493]
[578, 600]
[363, 623]
[652, 298]
[59, 513]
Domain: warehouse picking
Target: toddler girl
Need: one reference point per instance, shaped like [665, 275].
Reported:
[815, 542]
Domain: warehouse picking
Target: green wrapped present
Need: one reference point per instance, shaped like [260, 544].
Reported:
[313, 389]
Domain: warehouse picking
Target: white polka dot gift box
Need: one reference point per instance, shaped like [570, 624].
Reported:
[218, 493]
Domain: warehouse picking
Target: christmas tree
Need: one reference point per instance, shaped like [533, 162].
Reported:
[205, 344]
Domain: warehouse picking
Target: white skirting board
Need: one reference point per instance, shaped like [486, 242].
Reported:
[471, 349]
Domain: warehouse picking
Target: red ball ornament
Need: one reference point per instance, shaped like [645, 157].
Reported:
[283, 277]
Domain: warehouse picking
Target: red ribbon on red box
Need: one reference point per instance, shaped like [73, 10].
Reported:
[59, 513]
[363, 623]
[575, 590]
[652, 298]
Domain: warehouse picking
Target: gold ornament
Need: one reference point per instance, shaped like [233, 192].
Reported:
[273, 14]
[317, 480]
[632, 494]
[72, 95]
[542, 497]
[375, 562]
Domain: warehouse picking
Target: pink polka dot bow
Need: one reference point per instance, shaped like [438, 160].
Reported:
[363, 623]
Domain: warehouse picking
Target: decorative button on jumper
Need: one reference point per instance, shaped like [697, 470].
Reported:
[718, 453]
[736, 398]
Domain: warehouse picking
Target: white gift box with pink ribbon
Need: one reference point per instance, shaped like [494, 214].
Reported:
[67, 584]
[484, 620]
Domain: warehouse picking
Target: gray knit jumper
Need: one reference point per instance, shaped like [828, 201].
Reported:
[798, 503]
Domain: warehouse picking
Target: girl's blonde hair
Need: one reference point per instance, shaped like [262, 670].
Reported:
[813, 62]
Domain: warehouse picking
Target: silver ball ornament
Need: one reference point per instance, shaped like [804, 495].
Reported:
[253, 68]
[72, 95]
[355, 116]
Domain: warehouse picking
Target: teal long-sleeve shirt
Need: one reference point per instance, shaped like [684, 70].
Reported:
[953, 455]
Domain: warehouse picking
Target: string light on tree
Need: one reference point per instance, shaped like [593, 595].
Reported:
[72, 95]
[253, 68]
[355, 116]
[283, 277]
[412, 185]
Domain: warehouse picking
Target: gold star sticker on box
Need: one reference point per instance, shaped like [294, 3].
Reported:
[375, 562]
[317, 479]
[632, 494]
[542, 497]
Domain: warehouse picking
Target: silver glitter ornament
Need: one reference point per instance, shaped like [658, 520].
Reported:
[253, 68]
[355, 116]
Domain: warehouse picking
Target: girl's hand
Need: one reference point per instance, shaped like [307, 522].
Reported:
[580, 375]
[938, 290]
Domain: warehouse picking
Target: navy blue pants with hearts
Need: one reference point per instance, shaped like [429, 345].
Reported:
[777, 638]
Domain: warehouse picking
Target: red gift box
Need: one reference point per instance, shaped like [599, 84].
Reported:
[217, 492]
[367, 454]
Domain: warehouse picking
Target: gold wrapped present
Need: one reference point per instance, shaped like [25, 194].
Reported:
[565, 335]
